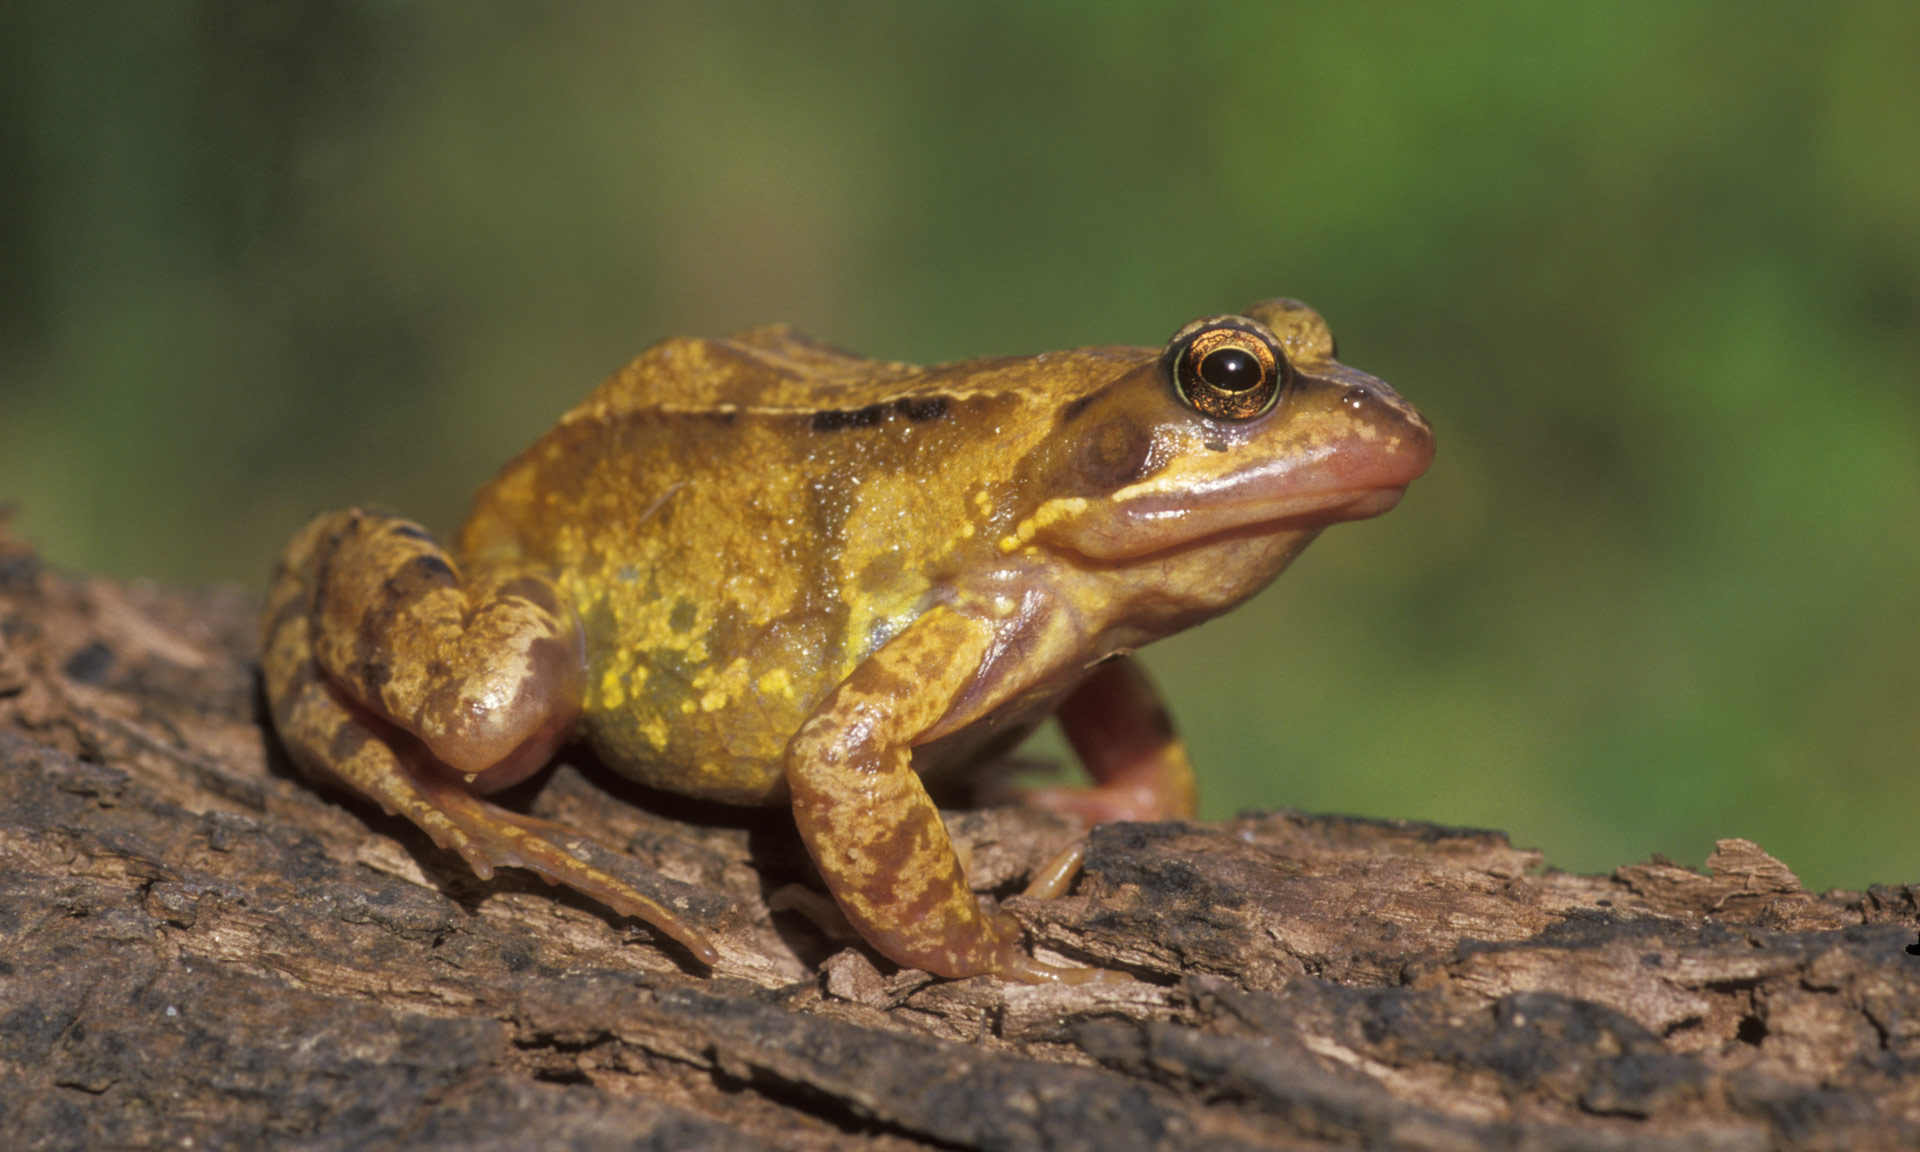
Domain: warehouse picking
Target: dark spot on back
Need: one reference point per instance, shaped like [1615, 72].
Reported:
[834, 419]
[920, 409]
[534, 591]
[683, 615]
[429, 567]
[881, 572]
[371, 673]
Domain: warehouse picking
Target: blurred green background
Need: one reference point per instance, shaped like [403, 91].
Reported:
[1653, 270]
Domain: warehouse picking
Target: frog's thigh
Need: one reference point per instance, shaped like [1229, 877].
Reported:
[486, 667]
[1121, 730]
[330, 741]
[873, 832]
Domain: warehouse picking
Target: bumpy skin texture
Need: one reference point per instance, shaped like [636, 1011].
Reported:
[762, 570]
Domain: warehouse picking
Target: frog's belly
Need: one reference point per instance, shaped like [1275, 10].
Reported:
[715, 729]
[711, 732]
[752, 775]
[687, 760]
[699, 693]
[735, 753]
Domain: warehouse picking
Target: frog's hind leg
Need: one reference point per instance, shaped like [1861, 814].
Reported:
[340, 739]
[485, 666]
[1115, 721]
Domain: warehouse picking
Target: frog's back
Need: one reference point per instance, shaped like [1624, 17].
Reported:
[740, 522]
[763, 370]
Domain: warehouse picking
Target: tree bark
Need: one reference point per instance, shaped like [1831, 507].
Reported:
[199, 949]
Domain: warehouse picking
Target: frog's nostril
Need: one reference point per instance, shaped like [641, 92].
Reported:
[1356, 397]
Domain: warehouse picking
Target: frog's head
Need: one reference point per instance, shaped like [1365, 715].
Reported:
[1232, 448]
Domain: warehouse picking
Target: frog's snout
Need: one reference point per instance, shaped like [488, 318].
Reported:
[1405, 447]
[1384, 442]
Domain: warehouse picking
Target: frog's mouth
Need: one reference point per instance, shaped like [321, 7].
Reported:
[1294, 493]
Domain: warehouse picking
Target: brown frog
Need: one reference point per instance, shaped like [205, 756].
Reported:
[765, 571]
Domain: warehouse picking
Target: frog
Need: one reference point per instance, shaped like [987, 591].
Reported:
[763, 570]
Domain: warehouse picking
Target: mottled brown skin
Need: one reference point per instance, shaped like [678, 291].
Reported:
[762, 570]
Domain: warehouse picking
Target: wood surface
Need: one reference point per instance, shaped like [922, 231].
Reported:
[200, 950]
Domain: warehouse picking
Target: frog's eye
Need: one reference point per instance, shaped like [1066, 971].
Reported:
[1226, 368]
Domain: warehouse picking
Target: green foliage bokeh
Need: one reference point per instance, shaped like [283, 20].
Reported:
[1652, 269]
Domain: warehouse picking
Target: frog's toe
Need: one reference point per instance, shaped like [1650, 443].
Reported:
[1057, 875]
[1026, 969]
[1012, 962]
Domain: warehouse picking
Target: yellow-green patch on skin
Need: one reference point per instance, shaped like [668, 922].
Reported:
[654, 728]
[776, 682]
[719, 689]
[881, 576]
[613, 692]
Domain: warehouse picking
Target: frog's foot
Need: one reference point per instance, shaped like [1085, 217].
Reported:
[377, 650]
[1052, 881]
[336, 744]
[1013, 963]
[1024, 968]
[487, 837]
[869, 824]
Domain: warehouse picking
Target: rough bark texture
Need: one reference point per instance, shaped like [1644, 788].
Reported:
[198, 949]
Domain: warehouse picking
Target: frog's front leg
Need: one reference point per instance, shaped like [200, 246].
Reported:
[392, 675]
[875, 834]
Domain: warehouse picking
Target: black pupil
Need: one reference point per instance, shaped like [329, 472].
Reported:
[1230, 369]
